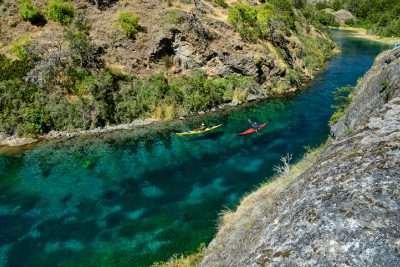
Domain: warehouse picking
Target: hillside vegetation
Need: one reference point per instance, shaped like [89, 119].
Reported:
[381, 17]
[68, 65]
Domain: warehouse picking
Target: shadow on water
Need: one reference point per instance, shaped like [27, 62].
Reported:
[130, 198]
[212, 136]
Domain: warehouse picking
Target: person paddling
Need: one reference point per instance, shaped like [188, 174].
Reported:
[254, 125]
[201, 128]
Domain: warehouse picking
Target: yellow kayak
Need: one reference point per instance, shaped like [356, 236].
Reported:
[199, 131]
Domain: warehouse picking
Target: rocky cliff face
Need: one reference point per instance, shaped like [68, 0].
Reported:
[175, 38]
[344, 209]
[378, 86]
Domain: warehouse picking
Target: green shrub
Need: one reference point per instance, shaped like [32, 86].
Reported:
[129, 23]
[255, 22]
[29, 12]
[23, 108]
[350, 22]
[299, 4]
[168, 61]
[343, 97]
[327, 19]
[13, 69]
[172, 17]
[22, 48]
[221, 3]
[243, 18]
[60, 11]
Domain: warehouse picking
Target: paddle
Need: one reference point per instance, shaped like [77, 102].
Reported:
[252, 125]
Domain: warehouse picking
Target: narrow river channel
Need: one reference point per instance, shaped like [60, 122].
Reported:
[134, 197]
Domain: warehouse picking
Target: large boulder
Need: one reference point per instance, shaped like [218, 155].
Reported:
[343, 16]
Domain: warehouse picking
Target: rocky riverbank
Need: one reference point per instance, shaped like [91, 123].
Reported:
[187, 57]
[18, 141]
[342, 210]
[14, 140]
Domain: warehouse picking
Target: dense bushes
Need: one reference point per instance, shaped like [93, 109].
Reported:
[326, 19]
[343, 98]
[382, 17]
[162, 98]
[29, 12]
[129, 23]
[60, 11]
[78, 96]
[254, 22]
[244, 18]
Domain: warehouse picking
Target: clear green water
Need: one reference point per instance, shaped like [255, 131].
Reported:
[131, 198]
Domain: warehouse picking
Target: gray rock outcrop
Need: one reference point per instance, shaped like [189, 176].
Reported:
[341, 16]
[380, 84]
[345, 209]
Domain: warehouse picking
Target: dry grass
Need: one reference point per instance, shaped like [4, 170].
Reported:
[181, 261]
[164, 112]
[252, 205]
[240, 94]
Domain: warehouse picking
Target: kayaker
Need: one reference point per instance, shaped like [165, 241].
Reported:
[255, 126]
[202, 127]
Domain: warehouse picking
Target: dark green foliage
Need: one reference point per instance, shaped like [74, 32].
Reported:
[299, 4]
[168, 61]
[13, 69]
[78, 95]
[60, 11]
[129, 23]
[102, 4]
[350, 22]
[343, 98]
[78, 42]
[244, 17]
[29, 12]
[221, 3]
[382, 17]
[22, 108]
[327, 19]
[254, 22]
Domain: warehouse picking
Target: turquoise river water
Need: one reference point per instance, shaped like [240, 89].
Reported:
[134, 197]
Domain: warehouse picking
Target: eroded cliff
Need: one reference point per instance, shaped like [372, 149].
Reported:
[344, 209]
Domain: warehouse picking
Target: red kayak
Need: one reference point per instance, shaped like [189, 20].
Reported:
[252, 130]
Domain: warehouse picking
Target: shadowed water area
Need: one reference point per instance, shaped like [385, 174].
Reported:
[134, 197]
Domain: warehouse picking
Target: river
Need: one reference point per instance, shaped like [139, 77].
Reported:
[134, 197]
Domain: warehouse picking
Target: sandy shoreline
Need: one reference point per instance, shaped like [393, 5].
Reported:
[363, 33]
